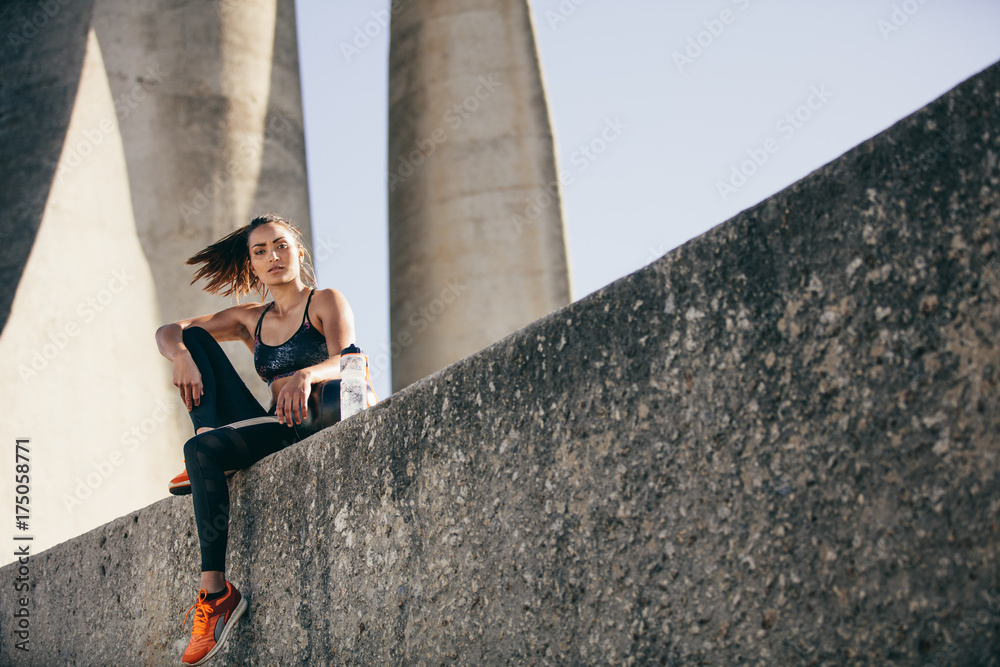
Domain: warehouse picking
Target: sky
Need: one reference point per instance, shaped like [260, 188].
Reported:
[713, 106]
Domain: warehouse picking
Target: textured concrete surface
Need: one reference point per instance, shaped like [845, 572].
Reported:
[25, 87]
[77, 353]
[776, 445]
[476, 246]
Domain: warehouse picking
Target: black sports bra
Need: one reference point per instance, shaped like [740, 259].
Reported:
[306, 347]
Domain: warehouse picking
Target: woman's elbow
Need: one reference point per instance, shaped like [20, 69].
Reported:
[164, 332]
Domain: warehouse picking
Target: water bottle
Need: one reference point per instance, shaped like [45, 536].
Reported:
[353, 381]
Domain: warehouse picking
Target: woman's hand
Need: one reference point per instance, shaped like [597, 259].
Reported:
[187, 378]
[293, 399]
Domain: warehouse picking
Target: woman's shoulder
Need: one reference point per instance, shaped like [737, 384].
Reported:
[329, 301]
[247, 314]
[328, 296]
[332, 316]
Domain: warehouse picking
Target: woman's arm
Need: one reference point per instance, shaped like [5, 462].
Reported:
[225, 325]
[332, 316]
[228, 324]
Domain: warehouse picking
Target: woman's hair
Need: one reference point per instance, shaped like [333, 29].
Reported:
[227, 261]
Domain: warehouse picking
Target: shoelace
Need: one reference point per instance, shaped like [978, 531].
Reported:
[202, 610]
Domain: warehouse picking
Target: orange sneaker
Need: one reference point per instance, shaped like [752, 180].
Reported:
[213, 619]
[181, 485]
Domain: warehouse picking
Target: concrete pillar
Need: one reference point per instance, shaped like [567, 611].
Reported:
[476, 245]
[79, 375]
[40, 63]
[210, 107]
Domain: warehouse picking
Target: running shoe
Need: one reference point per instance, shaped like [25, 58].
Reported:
[213, 620]
[181, 485]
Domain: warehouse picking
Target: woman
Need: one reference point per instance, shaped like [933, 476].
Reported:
[232, 430]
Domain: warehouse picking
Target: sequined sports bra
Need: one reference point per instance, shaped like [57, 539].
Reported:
[306, 347]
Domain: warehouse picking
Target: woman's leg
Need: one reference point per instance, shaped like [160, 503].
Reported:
[208, 456]
[226, 398]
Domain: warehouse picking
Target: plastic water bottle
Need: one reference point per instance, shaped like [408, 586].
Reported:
[353, 381]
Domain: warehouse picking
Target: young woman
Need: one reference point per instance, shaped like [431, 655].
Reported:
[232, 430]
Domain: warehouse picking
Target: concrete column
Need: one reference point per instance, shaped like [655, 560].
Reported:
[210, 107]
[40, 63]
[476, 245]
[80, 376]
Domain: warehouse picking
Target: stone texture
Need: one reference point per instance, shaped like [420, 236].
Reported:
[40, 70]
[476, 246]
[775, 445]
[79, 332]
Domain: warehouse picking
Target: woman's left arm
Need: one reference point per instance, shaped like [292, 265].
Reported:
[332, 316]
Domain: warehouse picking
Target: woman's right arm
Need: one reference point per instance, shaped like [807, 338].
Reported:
[187, 377]
[228, 324]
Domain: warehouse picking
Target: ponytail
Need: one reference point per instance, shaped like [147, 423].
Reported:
[226, 263]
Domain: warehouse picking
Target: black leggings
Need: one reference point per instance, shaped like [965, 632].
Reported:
[243, 434]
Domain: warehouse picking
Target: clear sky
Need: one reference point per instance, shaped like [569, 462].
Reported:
[692, 90]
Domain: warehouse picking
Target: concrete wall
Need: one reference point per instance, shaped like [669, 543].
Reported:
[81, 374]
[476, 246]
[132, 134]
[775, 445]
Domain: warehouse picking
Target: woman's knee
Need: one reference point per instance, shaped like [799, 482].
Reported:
[200, 447]
[191, 448]
[209, 448]
[196, 336]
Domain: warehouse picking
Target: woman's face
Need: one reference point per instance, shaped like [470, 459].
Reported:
[274, 256]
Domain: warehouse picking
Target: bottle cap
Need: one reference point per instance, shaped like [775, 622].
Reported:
[352, 349]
